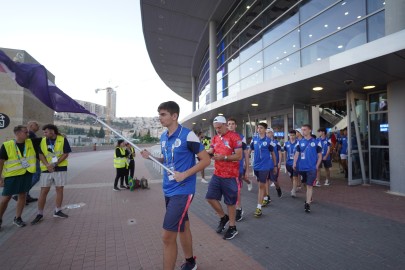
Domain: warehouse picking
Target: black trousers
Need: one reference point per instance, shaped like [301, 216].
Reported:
[122, 174]
[131, 168]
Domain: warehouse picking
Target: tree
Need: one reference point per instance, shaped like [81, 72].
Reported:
[90, 133]
[101, 133]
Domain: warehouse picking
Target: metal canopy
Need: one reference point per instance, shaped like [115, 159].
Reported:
[176, 37]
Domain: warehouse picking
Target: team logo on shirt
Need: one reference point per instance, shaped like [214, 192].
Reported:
[312, 144]
[302, 144]
[264, 143]
[163, 143]
[177, 143]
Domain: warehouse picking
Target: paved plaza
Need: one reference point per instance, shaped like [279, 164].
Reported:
[361, 227]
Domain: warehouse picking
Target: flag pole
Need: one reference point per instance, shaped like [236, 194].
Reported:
[131, 143]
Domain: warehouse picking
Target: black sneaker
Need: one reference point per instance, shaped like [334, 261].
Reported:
[116, 189]
[60, 214]
[231, 233]
[239, 214]
[37, 219]
[307, 208]
[18, 221]
[279, 193]
[122, 186]
[189, 266]
[30, 199]
[222, 223]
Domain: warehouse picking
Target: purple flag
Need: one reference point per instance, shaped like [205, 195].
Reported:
[34, 77]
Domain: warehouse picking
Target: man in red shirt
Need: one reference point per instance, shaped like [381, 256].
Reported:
[226, 148]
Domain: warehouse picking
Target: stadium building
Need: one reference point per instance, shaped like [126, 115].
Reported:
[329, 63]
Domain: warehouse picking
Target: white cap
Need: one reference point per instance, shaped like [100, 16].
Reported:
[219, 119]
[269, 130]
[299, 130]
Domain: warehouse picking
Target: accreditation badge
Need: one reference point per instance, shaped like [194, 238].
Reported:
[54, 159]
[302, 155]
[24, 163]
[171, 177]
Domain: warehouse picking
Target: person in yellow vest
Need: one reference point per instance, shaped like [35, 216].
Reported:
[53, 153]
[131, 162]
[120, 164]
[17, 165]
[206, 142]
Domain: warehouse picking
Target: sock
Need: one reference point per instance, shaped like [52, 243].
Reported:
[191, 259]
[232, 227]
[259, 206]
[40, 212]
[57, 209]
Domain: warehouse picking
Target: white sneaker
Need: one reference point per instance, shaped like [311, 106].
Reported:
[318, 184]
[204, 181]
[293, 194]
[327, 183]
[272, 184]
[250, 186]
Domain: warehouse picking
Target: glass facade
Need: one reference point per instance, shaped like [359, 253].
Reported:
[263, 39]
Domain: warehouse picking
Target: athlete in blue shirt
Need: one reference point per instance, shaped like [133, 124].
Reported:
[277, 151]
[326, 157]
[289, 152]
[343, 150]
[179, 145]
[309, 153]
[263, 164]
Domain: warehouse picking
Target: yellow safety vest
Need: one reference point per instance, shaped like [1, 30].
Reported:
[120, 162]
[12, 166]
[57, 151]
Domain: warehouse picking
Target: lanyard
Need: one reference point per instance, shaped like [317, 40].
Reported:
[306, 146]
[18, 150]
[292, 148]
[173, 146]
[51, 147]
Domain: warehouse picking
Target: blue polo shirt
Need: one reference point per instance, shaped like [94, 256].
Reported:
[325, 144]
[343, 142]
[308, 154]
[277, 147]
[262, 154]
[290, 149]
[179, 152]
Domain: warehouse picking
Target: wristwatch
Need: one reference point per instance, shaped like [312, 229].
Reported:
[226, 158]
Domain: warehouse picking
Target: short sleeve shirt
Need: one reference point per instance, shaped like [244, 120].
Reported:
[325, 143]
[262, 148]
[226, 145]
[179, 150]
[308, 154]
[290, 149]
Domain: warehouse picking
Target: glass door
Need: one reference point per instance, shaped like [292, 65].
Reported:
[378, 138]
[301, 115]
[357, 132]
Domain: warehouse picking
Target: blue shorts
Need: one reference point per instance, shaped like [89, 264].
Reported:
[308, 177]
[326, 164]
[262, 176]
[177, 212]
[291, 171]
[227, 187]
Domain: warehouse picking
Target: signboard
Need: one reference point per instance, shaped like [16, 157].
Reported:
[4, 121]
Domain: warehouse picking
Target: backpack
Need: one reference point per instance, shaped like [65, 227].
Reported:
[137, 183]
[144, 183]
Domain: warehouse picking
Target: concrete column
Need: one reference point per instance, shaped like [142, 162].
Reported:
[394, 16]
[193, 94]
[286, 127]
[315, 119]
[396, 113]
[213, 60]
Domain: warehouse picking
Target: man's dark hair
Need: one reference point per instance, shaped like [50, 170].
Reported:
[322, 130]
[263, 125]
[170, 106]
[307, 125]
[19, 128]
[232, 119]
[293, 131]
[52, 127]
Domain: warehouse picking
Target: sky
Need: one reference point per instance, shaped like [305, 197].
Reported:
[90, 44]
